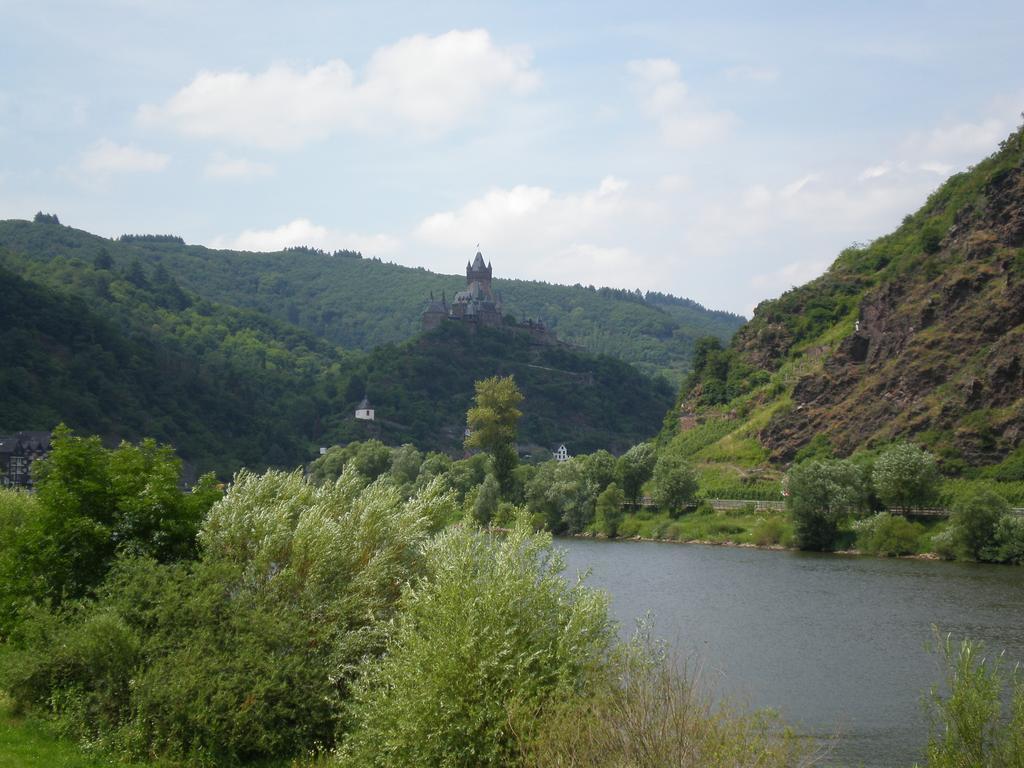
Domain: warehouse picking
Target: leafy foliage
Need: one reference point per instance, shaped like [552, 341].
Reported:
[93, 504]
[249, 651]
[423, 389]
[122, 349]
[609, 511]
[821, 495]
[635, 468]
[905, 476]
[888, 535]
[93, 349]
[493, 424]
[969, 725]
[493, 629]
[975, 522]
[674, 482]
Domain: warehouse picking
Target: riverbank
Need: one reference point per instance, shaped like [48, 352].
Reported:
[748, 545]
[756, 529]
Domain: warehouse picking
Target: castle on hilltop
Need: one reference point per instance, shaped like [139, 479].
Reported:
[478, 304]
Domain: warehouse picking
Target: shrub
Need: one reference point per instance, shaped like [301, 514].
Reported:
[770, 531]
[493, 629]
[629, 528]
[24, 551]
[974, 520]
[1009, 540]
[634, 468]
[249, 652]
[888, 535]
[968, 724]
[93, 504]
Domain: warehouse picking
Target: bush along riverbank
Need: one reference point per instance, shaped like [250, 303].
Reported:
[347, 624]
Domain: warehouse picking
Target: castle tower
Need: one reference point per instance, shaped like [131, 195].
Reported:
[477, 272]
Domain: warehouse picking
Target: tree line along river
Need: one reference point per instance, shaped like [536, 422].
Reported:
[836, 644]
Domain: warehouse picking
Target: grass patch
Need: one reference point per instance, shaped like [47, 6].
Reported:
[32, 744]
[734, 448]
[738, 526]
[953, 488]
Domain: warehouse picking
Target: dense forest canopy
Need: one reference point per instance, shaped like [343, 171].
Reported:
[123, 348]
[360, 303]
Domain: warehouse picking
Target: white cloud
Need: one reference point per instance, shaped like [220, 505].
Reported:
[794, 188]
[224, 167]
[942, 169]
[684, 122]
[541, 234]
[875, 171]
[973, 139]
[107, 157]
[427, 84]
[789, 275]
[305, 232]
[524, 214]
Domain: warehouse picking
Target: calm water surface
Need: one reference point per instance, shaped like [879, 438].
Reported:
[836, 644]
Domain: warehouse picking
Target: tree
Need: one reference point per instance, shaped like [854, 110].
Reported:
[493, 423]
[372, 459]
[975, 519]
[675, 482]
[103, 260]
[821, 495]
[609, 511]
[560, 493]
[94, 504]
[634, 469]
[905, 476]
[486, 504]
[405, 464]
[598, 469]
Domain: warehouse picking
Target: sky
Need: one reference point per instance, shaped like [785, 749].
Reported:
[722, 151]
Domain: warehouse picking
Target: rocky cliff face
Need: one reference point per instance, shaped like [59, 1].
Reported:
[920, 335]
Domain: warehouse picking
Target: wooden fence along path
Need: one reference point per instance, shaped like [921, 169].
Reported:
[726, 505]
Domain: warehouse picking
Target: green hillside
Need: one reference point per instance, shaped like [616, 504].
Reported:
[361, 303]
[123, 350]
[126, 355]
[919, 335]
[422, 389]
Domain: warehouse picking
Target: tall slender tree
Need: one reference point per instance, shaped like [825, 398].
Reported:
[493, 424]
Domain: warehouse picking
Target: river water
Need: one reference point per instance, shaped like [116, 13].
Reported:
[836, 644]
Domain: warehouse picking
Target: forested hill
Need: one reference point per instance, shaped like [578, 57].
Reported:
[126, 351]
[422, 389]
[360, 303]
[918, 335]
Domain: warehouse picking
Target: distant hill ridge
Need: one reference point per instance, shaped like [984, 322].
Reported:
[361, 303]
